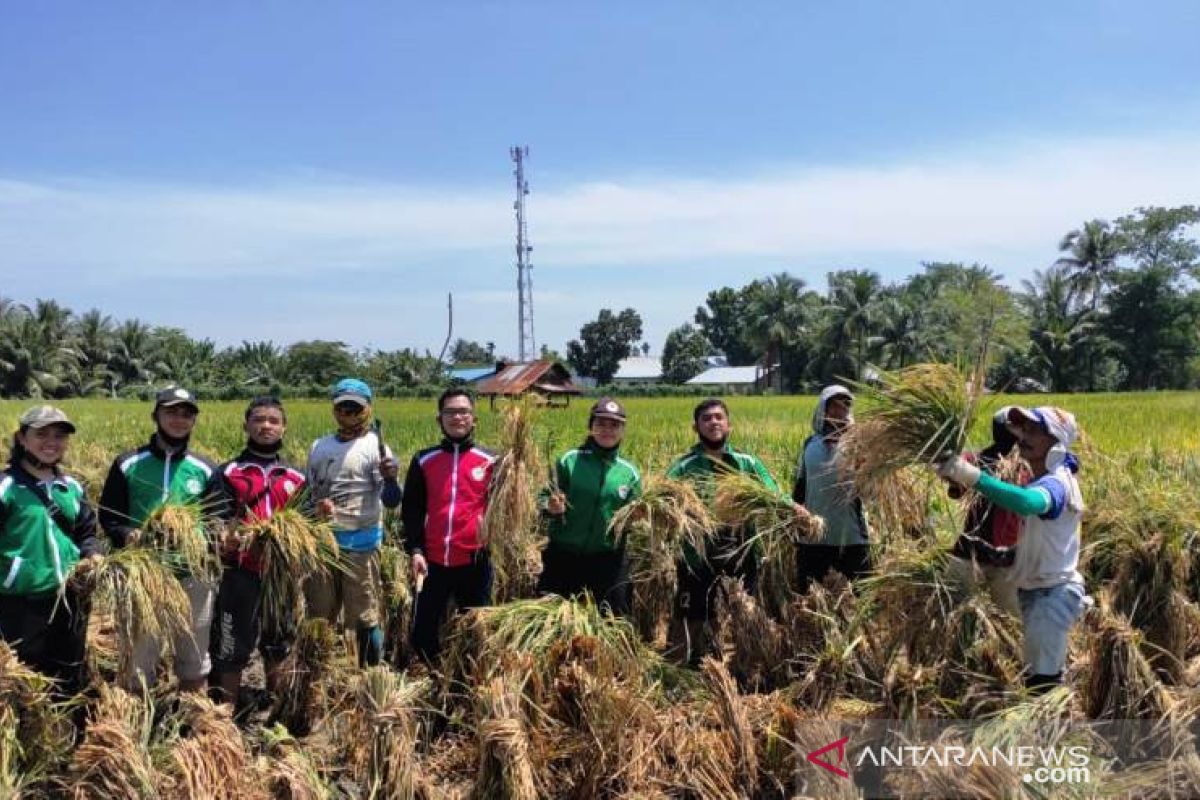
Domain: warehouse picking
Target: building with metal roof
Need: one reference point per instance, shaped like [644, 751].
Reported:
[548, 380]
[639, 369]
[729, 379]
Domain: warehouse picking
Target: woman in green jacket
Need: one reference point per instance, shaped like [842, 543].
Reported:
[593, 481]
[47, 538]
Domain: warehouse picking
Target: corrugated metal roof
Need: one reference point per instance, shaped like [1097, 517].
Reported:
[639, 368]
[725, 376]
[546, 376]
[471, 373]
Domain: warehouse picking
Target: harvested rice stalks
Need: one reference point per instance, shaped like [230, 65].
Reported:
[287, 771]
[294, 548]
[396, 604]
[143, 596]
[505, 769]
[511, 525]
[181, 534]
[35, 734]
[911, 417]
[378, 733]
[313, 677]
[655, 529]
[757, 644]
[208, 759]
[115, 757]
[736, 726]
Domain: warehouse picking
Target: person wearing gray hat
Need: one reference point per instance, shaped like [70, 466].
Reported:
[47, 545]
[591, 483]
[141, 481]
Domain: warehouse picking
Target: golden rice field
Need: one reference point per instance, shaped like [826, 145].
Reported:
[545, 698]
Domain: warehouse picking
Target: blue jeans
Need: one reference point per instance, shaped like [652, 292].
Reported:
[1048, 615]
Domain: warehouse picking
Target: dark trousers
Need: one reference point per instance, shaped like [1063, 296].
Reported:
[698, 584]
[237, 623]
[49, 635]
[814, 560]
[470, 586]
[605, 576]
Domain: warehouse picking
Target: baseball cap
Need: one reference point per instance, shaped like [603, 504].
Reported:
[44, 416]
[1055, 421]
[175, 396]
[352, 390]
[607, 408]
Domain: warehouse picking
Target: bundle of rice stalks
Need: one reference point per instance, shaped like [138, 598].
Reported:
[143, 597]
[703, 756]
[505, 768]
[510, 528]
[911, 417]
[294, 548]
[115, 758]
[982, 658]
[757, 645]
[770, 527]
[397, 602]
[312, 678]
[484, 637]
[183, 535]
[656, 528]
[734, 722]
[378, 734]
[208, 759]
[286, 770]
[35, 734]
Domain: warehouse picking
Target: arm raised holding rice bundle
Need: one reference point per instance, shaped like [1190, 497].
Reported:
[1049, 587]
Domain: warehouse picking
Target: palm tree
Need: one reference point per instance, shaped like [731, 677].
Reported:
[33, 361]
[1092, 258]
[851, 317]
[777, 316]
[900, 334]
[132, 355]
[1060, 328]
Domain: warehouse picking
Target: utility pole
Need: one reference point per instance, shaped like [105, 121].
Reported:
[525, 343]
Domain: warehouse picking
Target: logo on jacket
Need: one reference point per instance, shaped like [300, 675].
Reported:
[289, 487]
[623, 491]
[193, 486]
[478, 472]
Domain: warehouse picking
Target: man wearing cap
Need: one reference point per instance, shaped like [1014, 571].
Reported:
[352, 478]
[47, 544]
[446, 493]
[711, 457]
[139, 482]
[591, 483]
[820, 489]
[987, 545]
[1049, 586]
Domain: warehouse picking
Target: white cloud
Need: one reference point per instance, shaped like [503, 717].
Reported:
[1003, 206]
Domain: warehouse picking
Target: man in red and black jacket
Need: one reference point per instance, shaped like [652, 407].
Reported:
[258, 483]
[445, 498]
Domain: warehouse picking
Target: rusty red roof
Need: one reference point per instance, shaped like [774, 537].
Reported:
[547, 377]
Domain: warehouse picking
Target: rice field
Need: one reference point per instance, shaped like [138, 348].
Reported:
[545, 698]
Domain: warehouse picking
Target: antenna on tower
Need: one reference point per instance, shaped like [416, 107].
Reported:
[525, 343]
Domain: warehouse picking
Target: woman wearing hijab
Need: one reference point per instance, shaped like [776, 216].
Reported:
[1045, 571]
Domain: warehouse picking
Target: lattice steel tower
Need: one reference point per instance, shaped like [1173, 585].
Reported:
[526, 347]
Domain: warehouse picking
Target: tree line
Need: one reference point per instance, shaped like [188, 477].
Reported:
[1119, 308]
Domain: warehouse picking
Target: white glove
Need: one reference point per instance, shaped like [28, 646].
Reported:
[956, 470]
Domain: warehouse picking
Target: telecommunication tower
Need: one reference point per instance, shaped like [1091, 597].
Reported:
[526, 347]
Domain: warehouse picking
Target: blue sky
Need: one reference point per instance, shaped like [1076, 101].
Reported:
[302, 170]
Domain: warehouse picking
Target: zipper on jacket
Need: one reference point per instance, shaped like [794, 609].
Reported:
[596, 513]
[58, 570]
[453, 500]
[166, 487]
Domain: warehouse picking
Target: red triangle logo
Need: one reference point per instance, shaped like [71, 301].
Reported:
[840, 746]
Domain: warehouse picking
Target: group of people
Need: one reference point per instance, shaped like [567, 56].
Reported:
[1022, 535]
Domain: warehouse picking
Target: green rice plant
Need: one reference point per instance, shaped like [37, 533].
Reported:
[183, 535]
[510, 528]
[655, 529]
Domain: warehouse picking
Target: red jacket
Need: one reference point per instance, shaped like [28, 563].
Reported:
[445, 497]
[258, 486]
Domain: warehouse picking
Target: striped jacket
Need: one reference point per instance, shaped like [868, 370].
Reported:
[445, 497]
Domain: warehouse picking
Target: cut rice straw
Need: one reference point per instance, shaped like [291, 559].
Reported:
[510, 528]
[179, 533]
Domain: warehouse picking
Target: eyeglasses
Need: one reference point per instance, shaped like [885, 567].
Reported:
[457, 412]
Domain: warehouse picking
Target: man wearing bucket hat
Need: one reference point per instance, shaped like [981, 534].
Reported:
[1049, 586]
[47, 533]
[591, 483]
[352, 477]
[139, 482]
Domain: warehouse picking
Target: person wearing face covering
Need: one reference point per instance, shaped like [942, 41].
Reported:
[987, 545]
[139, 482]
[47, 543]
[352, 476]
[819, 489]
[1045, 570]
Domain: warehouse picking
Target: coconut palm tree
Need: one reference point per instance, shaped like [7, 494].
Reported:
[1091, 259]
[851, 315]
[777, 316]
[1060, 327]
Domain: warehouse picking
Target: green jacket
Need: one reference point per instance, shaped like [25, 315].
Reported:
[36, 553]
[701, 470]
[596, 484]
[142, 480]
